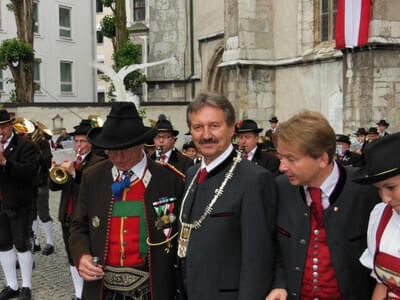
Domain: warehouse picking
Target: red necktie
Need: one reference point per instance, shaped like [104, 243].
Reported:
[78, 162]
[202, 175]
[316, 205]
[163, 157]
[246, 156]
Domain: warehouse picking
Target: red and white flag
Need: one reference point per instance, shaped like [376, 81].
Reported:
[352, 23]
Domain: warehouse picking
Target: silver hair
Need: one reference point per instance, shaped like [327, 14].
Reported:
[215, 100]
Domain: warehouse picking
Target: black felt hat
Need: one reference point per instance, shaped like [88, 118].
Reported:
[373, 130]
[343, 138]
[5, 117]
[149, 141]
[247, 126]
[381, 160]
[361, 131]
[383, 123]
[273, 120]
[83, 128]
[122, 129]
[166, 126]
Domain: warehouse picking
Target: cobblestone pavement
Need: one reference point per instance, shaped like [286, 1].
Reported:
[51, 277]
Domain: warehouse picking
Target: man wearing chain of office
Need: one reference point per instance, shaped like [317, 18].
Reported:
[227, 219]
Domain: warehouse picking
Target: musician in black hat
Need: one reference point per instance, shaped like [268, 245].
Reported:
[166, 152]
[361, 135]
[343, 153]
[18, 167]
[125, 223]
[382, 169]
[382, 126]
[85, 158]
[248, 133]
[373, 134]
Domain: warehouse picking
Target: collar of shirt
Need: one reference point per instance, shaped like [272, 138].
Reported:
[250, 155]
[84, 156]
[167, 155]
[8, 141]
[138, 170]
[326, 187]
[212, 165]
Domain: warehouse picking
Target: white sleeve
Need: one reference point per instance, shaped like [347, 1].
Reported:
[367, 258]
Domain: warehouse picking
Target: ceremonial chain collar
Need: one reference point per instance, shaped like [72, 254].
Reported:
[218, 193]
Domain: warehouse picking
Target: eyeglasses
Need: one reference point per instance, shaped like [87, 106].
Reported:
[81, 141]
[163, 137]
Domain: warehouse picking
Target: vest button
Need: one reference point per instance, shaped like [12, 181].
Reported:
[316, 231]
[315, 267]
[315, 260]
[306, 215]
[315, 253]
[125, 231]
[294, 294]
[315, 247]
[316, 239]
[302, 241]
[297, 269]
[315, 281]
[315, 288]
[315, 274]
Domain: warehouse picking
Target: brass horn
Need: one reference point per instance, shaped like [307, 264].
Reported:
[40, 131]
[23, 126]
[58, 175]
[96, 121]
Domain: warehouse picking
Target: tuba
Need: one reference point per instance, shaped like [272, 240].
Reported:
[23, 126]
[40, 132]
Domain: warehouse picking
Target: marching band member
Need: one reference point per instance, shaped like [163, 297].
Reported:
[69, 191]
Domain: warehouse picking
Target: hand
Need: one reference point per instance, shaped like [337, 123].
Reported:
[277, 294]
[68, 165]
[88, 271]
[160, 162]
[2, 158]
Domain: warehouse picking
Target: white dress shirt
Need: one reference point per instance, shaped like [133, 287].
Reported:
[212, 165]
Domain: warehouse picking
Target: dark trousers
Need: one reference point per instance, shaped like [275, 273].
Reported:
[41, 205]
[65, 232]
[15, 229]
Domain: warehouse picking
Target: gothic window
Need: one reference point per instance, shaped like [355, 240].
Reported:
[325, 20]
[139, 10]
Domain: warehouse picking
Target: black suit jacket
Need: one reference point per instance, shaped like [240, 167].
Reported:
[95, 201]
[346, 222]
[266, 160]
[178, 160]
[71, 187]
[231, 255]
[17, 176]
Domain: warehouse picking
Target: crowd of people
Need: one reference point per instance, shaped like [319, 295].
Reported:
[298, 212]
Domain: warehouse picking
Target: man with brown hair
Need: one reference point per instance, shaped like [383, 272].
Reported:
[322, 216]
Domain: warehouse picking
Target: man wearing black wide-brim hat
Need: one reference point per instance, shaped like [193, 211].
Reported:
[85, 158]
[125, 222]
[343, 154]
[248, 133]
[165, 144]
[18, 167]
[382, 126]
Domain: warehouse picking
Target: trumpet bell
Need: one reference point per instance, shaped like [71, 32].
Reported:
[22, 126]
[96, 121]
[58, 175]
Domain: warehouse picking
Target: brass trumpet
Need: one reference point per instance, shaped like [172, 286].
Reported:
[58, 175]
[23, 126]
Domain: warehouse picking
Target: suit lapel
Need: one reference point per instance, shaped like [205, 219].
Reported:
[190, 196]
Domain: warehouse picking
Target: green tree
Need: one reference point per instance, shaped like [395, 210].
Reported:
[18, 54]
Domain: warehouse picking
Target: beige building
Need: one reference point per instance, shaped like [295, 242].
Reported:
[272, 57]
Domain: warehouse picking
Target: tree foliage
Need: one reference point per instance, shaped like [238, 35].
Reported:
[14, 52]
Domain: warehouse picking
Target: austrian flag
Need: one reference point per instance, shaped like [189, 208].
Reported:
[352, 23]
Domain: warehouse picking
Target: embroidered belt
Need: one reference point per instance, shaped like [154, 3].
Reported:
[125, 279]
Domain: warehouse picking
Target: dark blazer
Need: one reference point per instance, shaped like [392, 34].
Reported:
[17, 176]
[346, 222]
[44, 162]
[231, 255]
[71, 187]
[351, 159]
[95, 201]
[178, 160]
[266, 160]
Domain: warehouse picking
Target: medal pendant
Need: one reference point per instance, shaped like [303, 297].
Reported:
[159, 223]
[184, 239]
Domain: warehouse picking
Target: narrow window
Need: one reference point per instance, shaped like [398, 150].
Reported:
[66, 76]
[139, 10]
[65, 22]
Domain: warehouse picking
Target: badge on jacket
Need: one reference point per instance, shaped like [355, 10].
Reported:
[165, 217]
